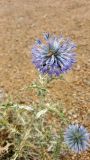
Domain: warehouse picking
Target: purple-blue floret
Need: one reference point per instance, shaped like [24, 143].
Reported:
[54, 57]
[77, 138]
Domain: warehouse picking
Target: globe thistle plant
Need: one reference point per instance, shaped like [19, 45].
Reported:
[77, 138]
[54, 57]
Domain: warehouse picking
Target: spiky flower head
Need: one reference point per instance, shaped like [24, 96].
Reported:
[77, 138]
[54, 57]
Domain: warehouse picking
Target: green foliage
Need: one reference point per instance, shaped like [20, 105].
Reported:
[34, 130]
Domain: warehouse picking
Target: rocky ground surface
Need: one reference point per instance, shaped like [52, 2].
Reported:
[21, 22]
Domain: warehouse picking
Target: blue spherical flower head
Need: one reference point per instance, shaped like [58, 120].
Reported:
[54, 57]
[77, 138]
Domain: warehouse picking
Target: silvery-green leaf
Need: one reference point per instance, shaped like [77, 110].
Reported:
[40, 113]
[29, 108]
